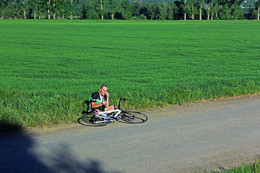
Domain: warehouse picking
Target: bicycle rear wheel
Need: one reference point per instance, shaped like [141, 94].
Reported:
[133, 117]
[89, 118]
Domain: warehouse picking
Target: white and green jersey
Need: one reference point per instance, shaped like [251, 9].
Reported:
[95, 97]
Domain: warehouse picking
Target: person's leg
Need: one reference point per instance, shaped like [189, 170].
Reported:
[111, 108]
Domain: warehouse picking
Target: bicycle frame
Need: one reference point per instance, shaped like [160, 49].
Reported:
[104, 114]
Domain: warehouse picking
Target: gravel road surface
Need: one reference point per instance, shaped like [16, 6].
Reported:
[210, 135]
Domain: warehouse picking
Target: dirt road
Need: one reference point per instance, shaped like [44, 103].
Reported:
[209, 135]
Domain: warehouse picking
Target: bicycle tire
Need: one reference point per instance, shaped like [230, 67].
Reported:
[133, 117]
[90, 119]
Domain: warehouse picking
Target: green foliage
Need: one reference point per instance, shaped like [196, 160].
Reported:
[48, 68]
[127, 10]
[142, 17]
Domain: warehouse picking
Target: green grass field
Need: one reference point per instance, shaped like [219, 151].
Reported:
[48, 68]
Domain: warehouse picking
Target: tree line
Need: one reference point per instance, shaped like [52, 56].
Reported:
[126, 10]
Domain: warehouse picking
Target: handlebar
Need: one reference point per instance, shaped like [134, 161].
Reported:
[123, 100]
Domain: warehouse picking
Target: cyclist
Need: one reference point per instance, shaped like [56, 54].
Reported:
[100, 100]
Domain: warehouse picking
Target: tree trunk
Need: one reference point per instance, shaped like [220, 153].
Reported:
[258, 14]
[24, 11]
[208, 14]
[101, 8]
[54, 15]
[216, 10]
[24, 14]
[49, 16]
[111, 6]
[200, 11]
[34, 14]
[49, 3]
[185, 14]
[63, 14]
[212, 10]
[192, 12]
[71, 15]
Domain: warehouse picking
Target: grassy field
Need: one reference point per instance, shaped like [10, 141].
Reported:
[48, 68]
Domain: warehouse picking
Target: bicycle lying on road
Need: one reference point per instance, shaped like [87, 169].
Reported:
[106, 117]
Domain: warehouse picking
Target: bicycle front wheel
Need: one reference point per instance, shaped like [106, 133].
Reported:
[90, 119]
[133, 117]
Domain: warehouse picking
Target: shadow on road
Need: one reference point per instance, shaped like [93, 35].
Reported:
[18, 154]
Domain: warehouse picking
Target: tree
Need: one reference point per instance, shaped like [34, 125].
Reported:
[225, 12]
[237, 12]
[48, 6]
[125, 9]
[10, 10]
[112, 6]
[146, 10]
[135, 8]
[172, 10]
[162, 11]
[72, 8]
[61, 7]
[191, 8]
[229, 8]
[35, 6]
[41, 8]
[200, 3]
[257, 4]
[212, 9]
[216, 7]
[83, 11]
[3, 5]
[24, 9]
[101, 10]
[155, 11]
[92, 9]
[208, 8]
[185, 9]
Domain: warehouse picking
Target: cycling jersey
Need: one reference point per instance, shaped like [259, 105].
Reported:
[95, 97]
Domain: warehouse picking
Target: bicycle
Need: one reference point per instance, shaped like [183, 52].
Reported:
[105, 117]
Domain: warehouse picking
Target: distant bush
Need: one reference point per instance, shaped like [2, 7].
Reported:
[142, 17]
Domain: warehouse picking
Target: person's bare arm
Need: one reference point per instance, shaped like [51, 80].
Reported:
[107, 101]
[94, 105]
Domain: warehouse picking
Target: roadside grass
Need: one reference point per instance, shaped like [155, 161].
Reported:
[9, 122]
[254, 168]
[48, 68]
